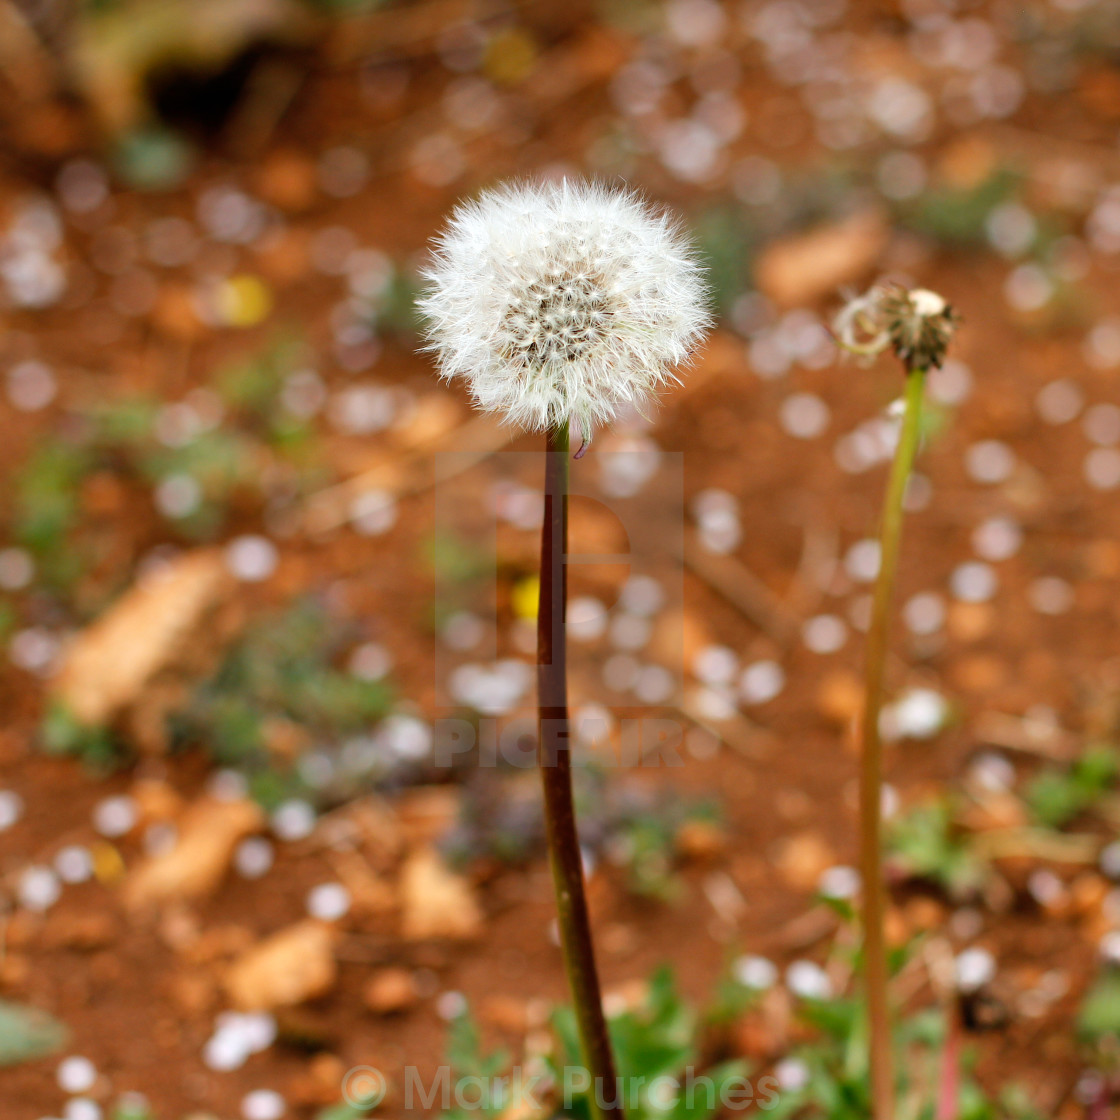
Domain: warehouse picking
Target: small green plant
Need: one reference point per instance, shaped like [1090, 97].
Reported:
[468, 1060]
[658, 1039]
[132, 1106]
[925, 843]
[728, 242]
[185, 457]
[639, 833]
[827, 1079]
[957, 216]
[394, 309]
[342, 1111]
[46, 507]
[282, 676]
[1098, 1020]
[251, 389]
[646, 845]
[1057, 796]
[26, 1033]
[61, 733]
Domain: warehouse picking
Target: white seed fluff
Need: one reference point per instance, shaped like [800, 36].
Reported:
[559, 302]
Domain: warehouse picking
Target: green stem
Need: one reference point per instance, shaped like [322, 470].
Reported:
[871, 760]
[554, 758]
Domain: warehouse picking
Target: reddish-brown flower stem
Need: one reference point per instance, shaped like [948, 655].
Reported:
[554, 758]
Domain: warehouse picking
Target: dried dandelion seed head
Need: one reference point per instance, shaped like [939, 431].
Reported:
[917, 324]
[559, 302]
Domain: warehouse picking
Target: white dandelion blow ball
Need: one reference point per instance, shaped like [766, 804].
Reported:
[559, 302]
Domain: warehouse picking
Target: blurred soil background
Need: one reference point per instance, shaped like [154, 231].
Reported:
[244, 564]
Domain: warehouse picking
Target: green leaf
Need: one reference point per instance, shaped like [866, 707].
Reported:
[342, 1111]
[705, 1100]
[727, 242]
[1058, 796]
[61, 733]
[957, 215]
[927, 845]
[27, 1033]
[1100, 1012]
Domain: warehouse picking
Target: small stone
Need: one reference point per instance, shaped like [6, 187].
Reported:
[918, 714]
[825, 633]
[803, 859]
[1060, 401]
[253, 857]
[82, 1108]
[799, 270]
[31, 386]
[1050, 595]
[115, 816]
[755, 972]
[761, 682]
[804, 415]
[975, 968]
[11, 808]
[450, 1005]
[291, 966]
[861, 561]
[208, 835]
[715, 665]
[252, 558]
[389, 991]
[700, 840]
[74, 864]
[83, 931]
[17, 569]
[924, 613]
[974, 582]
[76, 1075]
[111, 663]
[293, 820]
[263, 1104]
[840, 696]
[436, 902]
[328, 902]
[997, 538]
[808, 980]
[1101, 468]
[792, 1074]
[839, 882]
[38, 889]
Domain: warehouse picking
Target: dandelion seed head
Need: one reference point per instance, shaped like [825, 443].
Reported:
[561, 302]
[917, 324]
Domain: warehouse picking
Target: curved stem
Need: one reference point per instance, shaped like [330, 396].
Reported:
[871, 758]
[554, 758]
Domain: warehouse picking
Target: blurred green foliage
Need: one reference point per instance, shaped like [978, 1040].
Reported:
[61, 733]
[925, 843]
[658, 1039]
[1058, 795]
[225, 457]
[836, 1082]
[281, 672]
[957, 216]
[727, 240]
[26, 1033]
